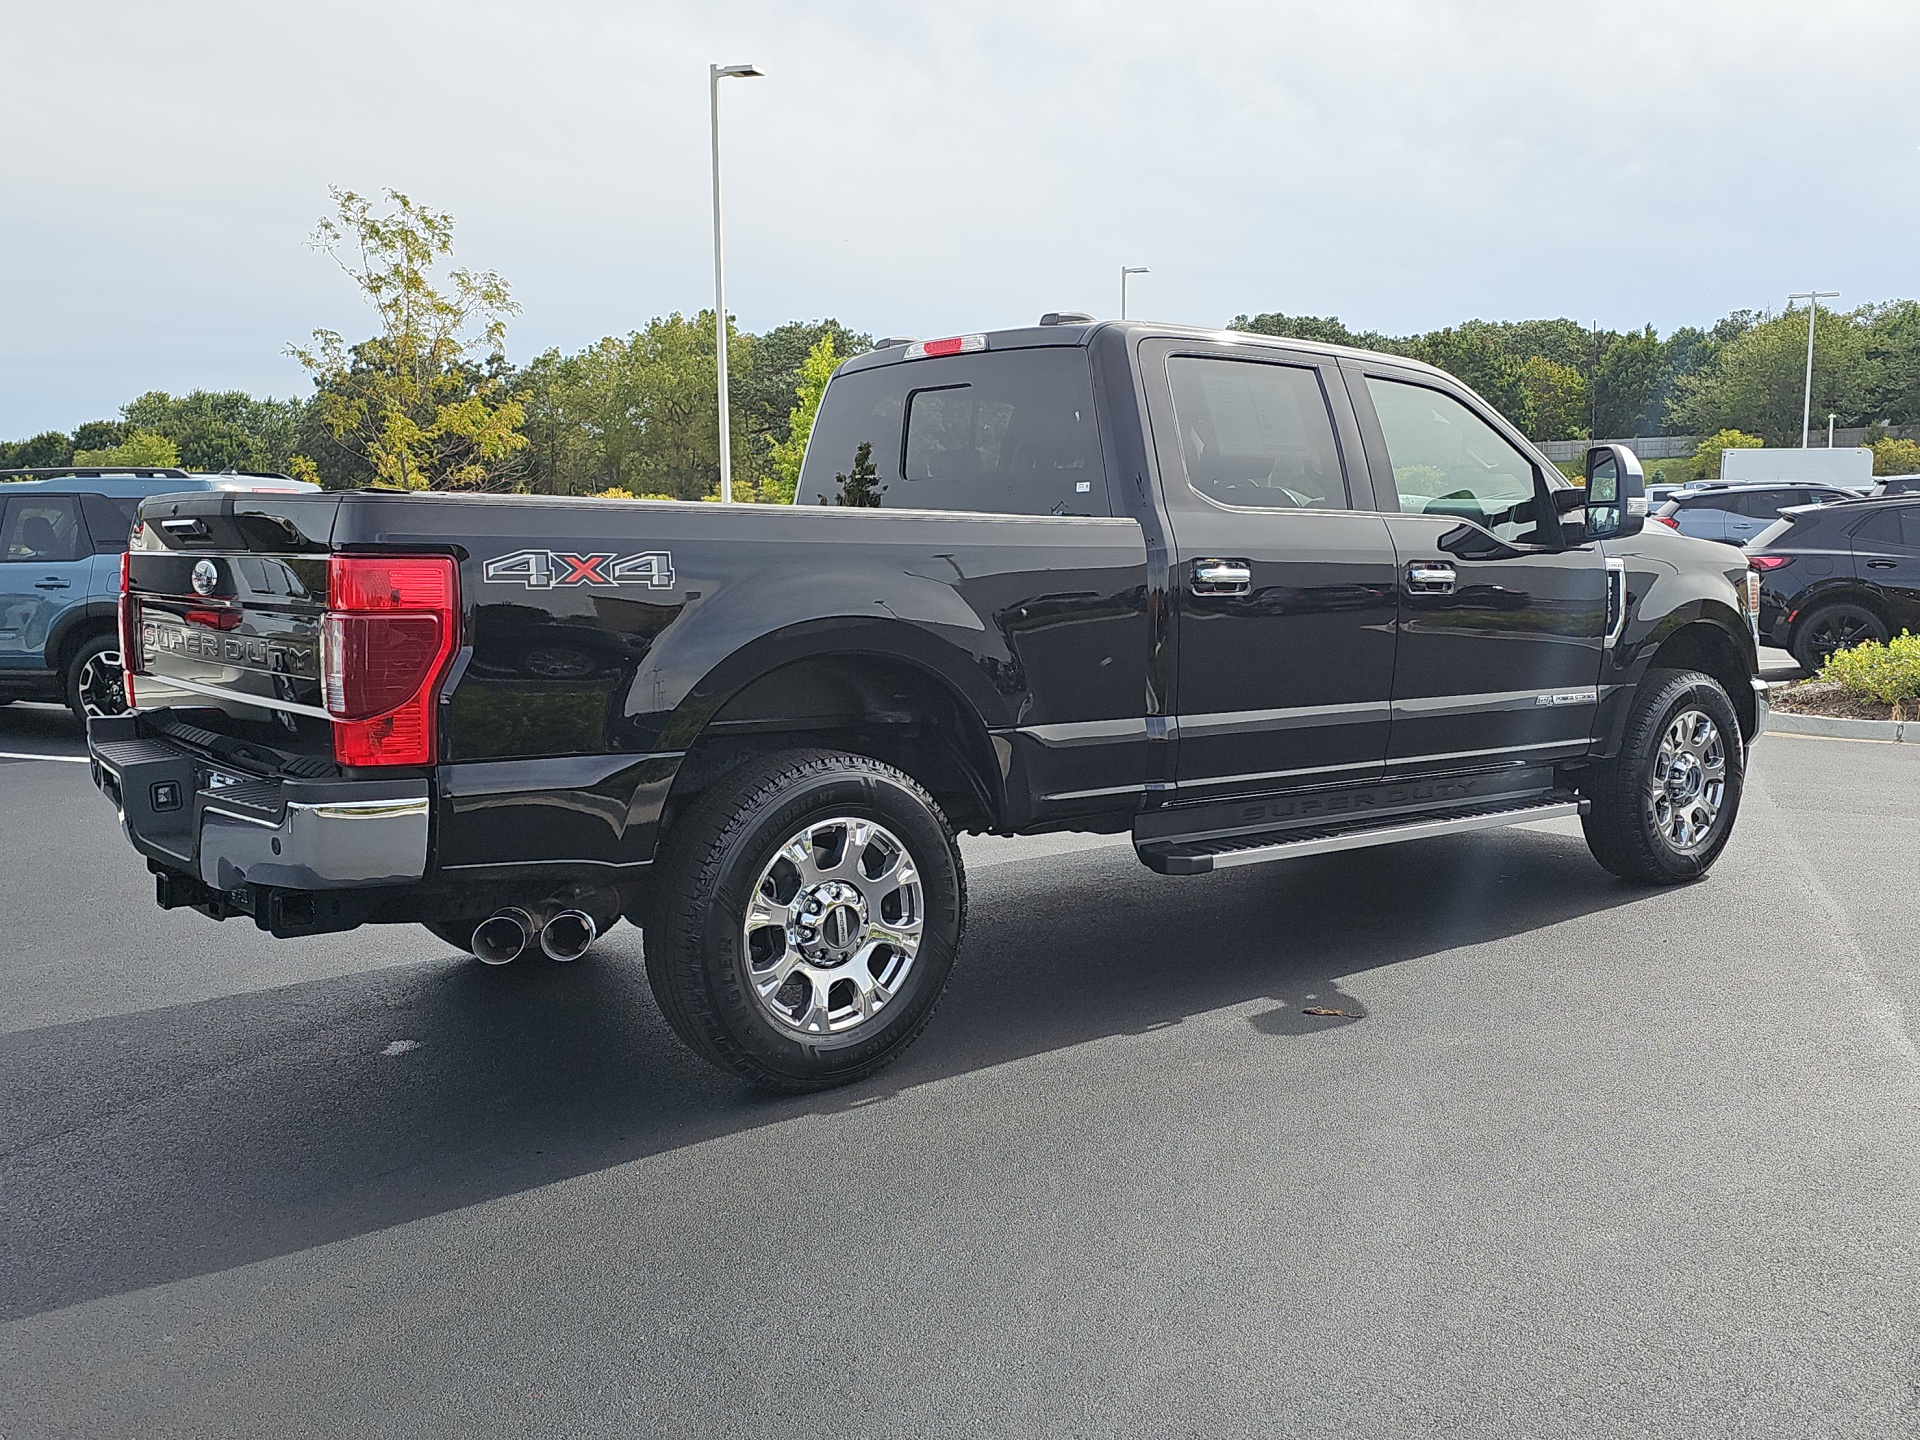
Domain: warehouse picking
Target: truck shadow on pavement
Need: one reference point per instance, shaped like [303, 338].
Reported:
[153, 1147]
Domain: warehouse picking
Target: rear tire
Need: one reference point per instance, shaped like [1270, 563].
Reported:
[1835, 627]
[96, 684]
[1662, 809]
[804, 919]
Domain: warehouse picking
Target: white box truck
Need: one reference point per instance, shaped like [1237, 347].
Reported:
[1851, 467]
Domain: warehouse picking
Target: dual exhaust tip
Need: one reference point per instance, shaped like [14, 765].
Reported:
[505, 935]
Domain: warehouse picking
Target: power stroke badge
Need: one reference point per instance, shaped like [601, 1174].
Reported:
[554, 569]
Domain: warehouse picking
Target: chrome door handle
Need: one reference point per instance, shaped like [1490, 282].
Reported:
[1882, 564]
[1222, 577]
[1428, 577]
[52, 584]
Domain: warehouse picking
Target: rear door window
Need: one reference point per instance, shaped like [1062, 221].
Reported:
[1256, 434]
[1756, 504]
[110, 518]
[1007, 432]
[42, 529]
[1895, 528]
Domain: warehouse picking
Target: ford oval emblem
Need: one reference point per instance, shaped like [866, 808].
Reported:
[206, 577]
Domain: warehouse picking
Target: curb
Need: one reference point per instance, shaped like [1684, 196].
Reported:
[1892, 731]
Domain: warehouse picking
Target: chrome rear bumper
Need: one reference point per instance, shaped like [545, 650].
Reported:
[185, 812]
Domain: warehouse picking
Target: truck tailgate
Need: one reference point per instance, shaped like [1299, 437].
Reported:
[225, 597]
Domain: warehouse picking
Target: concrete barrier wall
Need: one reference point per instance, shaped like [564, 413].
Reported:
[1677, 447]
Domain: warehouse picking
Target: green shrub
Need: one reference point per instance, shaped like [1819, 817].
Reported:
[1707, 453]
[142, 447]
[1896, 457]
[1889, 673]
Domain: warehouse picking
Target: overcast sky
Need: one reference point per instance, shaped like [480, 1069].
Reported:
[922, 169]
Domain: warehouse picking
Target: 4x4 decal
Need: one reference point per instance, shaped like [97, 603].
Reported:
[551, 569]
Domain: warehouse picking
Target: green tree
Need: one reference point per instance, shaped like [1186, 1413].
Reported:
[1706, 454]
[857, 488]
[1474, 356]
[1321, 329]
[1892, 354]
[639, 414]
[1556, 399]
[1756, 381]
[221, 430]
[99, 434]
[50, 447]
[1624, 385]
[787, 454]
[140, 447]
[423, 403]
[763, 394]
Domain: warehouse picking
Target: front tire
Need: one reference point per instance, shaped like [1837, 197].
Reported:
[805, 918]
[1662, 809]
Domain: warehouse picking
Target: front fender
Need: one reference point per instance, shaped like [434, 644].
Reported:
[1672, 583]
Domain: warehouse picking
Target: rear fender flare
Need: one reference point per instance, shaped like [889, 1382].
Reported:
[1840, 590]
[75, 625]
[715, 651]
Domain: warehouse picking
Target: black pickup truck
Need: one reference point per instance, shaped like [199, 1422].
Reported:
[1244, 599]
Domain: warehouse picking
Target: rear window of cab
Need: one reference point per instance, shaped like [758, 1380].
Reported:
[1007, 432]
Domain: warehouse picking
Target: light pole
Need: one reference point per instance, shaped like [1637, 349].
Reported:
[715, 74]
[1125, 271]
[1813, 299]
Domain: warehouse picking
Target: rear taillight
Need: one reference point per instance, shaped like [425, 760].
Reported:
[1768, 562]
[129, 631]
[392, 623]
[1752, 593]
[1668, 521]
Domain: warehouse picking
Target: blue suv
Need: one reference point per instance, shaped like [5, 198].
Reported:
[62, 532]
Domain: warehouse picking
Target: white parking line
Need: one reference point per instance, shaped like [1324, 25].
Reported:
[69, 759]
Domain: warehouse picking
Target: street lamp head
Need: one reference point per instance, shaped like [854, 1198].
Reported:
[721, 72]
[1135, 270]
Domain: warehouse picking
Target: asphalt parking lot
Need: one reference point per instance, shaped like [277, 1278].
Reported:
[1579, 1159]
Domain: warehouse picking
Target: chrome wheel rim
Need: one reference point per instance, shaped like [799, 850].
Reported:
[103, 685]
[833, 926]
[1689, 781]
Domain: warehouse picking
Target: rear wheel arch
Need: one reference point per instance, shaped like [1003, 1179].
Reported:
[78, 627]
[885, 707]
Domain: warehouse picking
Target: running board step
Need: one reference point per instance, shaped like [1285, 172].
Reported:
[1198, 857]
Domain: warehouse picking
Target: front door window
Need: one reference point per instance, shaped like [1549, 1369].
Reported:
[1448, 461]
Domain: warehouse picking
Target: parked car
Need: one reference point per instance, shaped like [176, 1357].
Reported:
[1240, 598]
[1735, 513]
[1897, 485]
[1838, 575]
[62, 532]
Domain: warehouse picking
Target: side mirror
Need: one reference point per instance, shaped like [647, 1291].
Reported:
[1616, 493]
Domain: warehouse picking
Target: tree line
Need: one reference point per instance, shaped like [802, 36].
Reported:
[1561, 380]
[430, 400]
